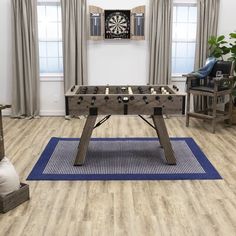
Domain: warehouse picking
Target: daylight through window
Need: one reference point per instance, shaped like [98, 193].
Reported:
[184, 38]
[50, 37]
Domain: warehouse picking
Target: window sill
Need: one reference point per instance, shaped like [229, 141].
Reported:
[178, 78]
[51, 77]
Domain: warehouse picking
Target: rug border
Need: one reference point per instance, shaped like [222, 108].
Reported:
[37, 171]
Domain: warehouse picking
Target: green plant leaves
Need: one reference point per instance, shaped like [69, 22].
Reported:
[233, 49]
[212, 41]
[217, 46]
[233, 35]
[220, 38]
[225, 50]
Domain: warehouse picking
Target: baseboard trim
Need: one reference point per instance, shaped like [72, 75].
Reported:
[62, 113]
[42, 112]
[52, 113]
[6, 112]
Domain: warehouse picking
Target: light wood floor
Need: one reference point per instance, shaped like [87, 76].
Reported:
[122, 207]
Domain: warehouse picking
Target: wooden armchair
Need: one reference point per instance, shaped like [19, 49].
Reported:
[219, 83]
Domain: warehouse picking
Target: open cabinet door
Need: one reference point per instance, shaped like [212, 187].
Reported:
[138, 23]
[96, 23]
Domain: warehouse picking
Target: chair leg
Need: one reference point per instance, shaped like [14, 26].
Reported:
[187, 120]
[230, 109]
[214, 114]
[188, 109]
[205, 105]
[213, 129]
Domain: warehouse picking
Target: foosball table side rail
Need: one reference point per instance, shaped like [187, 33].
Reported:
[82, 100]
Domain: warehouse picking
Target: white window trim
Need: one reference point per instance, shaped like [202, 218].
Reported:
[51, 77]
[48, 2]
[184, 2]
[177, 78]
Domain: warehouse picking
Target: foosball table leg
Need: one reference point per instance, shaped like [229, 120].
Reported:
[84, 140]
[159, 123]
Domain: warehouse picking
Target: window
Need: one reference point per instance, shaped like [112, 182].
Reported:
[183, 38]
[50, 37]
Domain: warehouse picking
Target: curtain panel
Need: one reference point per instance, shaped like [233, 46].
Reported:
[207, 24]
[74, 31]
[160, 41]
[25, 87]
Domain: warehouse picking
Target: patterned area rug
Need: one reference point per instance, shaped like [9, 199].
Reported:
[122, 159]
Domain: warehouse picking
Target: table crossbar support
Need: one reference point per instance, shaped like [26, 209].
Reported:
[102, 121]
[148, 122]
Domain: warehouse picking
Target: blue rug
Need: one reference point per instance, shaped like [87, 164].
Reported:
[122, 159]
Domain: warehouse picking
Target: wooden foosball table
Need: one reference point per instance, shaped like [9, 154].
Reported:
[155, 101]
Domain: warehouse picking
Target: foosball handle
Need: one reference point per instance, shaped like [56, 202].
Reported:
[93, 100]
[119, 98]
[145, 99]
[95, 90]
[80, 100]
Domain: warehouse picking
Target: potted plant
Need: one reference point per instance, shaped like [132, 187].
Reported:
[233, 58]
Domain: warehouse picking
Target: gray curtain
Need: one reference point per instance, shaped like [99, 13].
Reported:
[74, 31]
[25, 94]
[160, 41]
[207, 24]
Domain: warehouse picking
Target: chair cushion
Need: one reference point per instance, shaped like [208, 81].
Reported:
[9, 179]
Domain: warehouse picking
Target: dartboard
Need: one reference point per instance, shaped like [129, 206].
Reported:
[117, 24]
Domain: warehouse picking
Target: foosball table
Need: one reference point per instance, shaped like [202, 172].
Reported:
[151, 100]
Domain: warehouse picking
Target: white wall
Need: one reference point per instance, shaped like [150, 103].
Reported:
[118, 61]
[227, 17]
[109, 62]
[52, 102]
[5, 53]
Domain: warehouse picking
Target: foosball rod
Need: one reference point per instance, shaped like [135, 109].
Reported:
[107, 90]
[130, 91]
[95, 91]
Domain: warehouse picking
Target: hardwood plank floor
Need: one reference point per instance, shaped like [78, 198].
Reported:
[122, 207]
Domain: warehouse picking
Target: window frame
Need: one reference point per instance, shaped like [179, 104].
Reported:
[50, 77]
[176, 3]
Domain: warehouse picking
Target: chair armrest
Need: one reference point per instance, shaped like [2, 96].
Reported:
[189, 76]
[189, 79]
